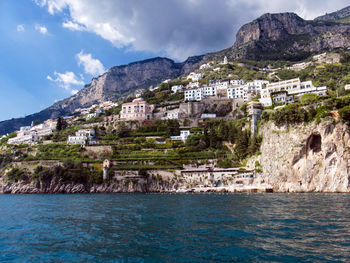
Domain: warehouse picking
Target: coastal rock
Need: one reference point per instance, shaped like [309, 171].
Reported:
[306, 158]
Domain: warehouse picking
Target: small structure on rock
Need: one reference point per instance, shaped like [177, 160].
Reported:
[106, 166]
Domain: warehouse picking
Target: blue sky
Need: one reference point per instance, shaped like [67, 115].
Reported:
[29, 56]
[50, 48]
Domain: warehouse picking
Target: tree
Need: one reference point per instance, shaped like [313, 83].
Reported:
[309, 98]
[344, 113]
[61, 124]
[123, 130]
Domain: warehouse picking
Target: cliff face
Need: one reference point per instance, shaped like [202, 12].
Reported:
[123, 80]
[286, 36]
[310, 158]
[343, 13]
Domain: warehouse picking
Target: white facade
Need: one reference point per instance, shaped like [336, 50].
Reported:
[183, 136]
[209, 91]
[25, 139]
[266, 102]
[208, 116]
[237, 82]
[82, 137]
[91, 115]
[172, 115]
[200, 93]
[194, 76]
[235, 92]
[31, 134]
[177, 88]
[292, 87]
[204, 66]
[192, 85]
[194, 94]
[222, 85]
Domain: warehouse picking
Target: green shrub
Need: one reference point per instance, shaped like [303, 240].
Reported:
[16, 175]
[344, 113]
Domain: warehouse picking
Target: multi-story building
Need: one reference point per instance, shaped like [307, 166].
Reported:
[138, 109]
[209, 91]
[31, 134]
[82, 137]
[24, 139]
[294, 88]
[237, 82]
[200, 93]
[235, 92]
[194, 94]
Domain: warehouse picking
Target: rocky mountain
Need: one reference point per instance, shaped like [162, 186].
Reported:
[283, 36]
[115, 83]
[286, 36]
[341, 14]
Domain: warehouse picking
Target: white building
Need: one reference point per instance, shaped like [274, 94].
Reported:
[91, 115]
[235, 92]
[24, 139]
[192, 85]
[237, 82]
[204, 66]
[208, 116]
[172, 115]
[293, 87]
[200, 93]
[194, 94]
[222, 85]
[177, 88]
[194, 76]
[31, 134]
[183, 136]
[209, 91]
[82, 137]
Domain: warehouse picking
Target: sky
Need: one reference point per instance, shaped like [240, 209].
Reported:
[49, 49]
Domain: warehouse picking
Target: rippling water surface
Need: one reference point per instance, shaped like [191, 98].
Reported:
[175, 228]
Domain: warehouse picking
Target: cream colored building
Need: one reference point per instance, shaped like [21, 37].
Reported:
[138, 109]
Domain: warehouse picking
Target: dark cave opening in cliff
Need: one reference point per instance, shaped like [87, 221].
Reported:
[315, 143]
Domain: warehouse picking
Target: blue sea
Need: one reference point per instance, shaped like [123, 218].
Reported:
[175, 228]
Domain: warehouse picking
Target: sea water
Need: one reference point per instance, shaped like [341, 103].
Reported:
[175, 228]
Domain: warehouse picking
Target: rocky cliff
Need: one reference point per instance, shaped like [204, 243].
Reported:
[341, 14]
[286, 36]
[306, 158]
[117, 82]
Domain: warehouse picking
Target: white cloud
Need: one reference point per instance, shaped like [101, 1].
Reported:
[176, 28]
[20, 28]
[91, 65]
[67, 80]
[42, 29]
[73, 26]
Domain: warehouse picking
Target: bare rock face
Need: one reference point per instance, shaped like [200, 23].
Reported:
[311, 158]
[343, 13]
[286, 36]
